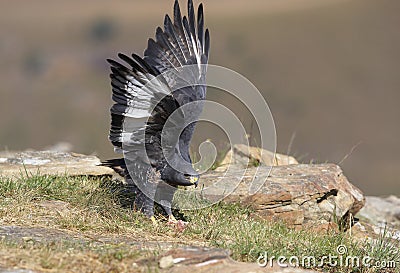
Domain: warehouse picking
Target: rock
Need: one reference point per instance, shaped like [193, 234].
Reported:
[324, 228]
[300, 195]
[382, 211]
[20, 234]
[15, 164]
[166, 262]
[15, 270]
[362, 231]
[241, 156]
[55, 205]
[365, 230]
[381, 215]
[198, 260]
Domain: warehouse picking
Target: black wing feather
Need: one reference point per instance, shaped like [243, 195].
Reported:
[192, 18]
[181, 42]
[132, 63]
[207, 43]
[200, 26]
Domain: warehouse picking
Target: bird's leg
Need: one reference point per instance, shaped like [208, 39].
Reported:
[144, 200]
[172, 219]
[164, 196]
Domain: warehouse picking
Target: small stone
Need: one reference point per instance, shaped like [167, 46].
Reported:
[166, 262]
[27, 238]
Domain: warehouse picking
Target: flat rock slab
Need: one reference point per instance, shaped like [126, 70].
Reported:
[20, 234]
[15, 164]
[297, 194]
[9, 270]
[202, 260]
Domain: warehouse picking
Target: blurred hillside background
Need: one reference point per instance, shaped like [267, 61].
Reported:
[330, 71]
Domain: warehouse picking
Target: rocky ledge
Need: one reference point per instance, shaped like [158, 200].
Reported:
[15, 164]
[302, 195]
[298, 194]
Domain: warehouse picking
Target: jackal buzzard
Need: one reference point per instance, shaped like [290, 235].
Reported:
[151, 92]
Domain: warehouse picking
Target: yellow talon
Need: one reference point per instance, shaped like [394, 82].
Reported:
[193, 179]
[172, 219]
[154, 221]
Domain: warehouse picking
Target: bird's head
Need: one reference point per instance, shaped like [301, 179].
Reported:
[174, 177]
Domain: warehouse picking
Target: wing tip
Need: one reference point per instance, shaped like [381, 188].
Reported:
[110, 61]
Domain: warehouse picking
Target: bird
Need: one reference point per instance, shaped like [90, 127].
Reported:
[158, 99]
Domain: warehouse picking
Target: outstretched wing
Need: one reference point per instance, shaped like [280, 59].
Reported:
[147, 90]
[181, 52]
[181, 43]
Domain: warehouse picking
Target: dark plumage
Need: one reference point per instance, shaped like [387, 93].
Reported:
[148, 123]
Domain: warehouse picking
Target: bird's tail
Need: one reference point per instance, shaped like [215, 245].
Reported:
[117, 164]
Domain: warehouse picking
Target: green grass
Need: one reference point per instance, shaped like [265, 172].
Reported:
[96, 208]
